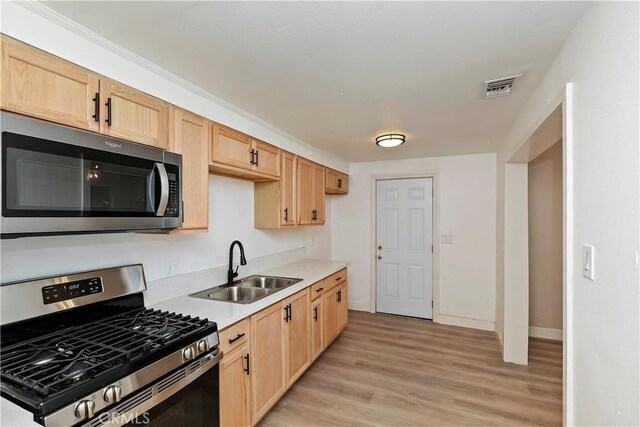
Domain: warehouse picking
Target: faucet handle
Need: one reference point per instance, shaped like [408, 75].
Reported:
[235, 273]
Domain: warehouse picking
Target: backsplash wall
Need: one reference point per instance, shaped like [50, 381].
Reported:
[230, 218]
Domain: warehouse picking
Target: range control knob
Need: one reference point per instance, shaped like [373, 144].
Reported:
[203, 345]
[187, 353]
[84, 409]
[112, 394]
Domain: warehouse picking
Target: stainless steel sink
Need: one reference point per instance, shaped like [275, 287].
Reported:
[267, 282]
[247, 290]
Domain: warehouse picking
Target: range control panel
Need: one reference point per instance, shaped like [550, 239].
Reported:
[64, 291]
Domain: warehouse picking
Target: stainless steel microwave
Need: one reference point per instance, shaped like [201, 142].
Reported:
[60, 180]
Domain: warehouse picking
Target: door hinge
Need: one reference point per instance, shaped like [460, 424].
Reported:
[432, 304]
[432, 248]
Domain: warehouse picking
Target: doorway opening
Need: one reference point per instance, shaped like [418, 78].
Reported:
[554, 128]
[404, 247]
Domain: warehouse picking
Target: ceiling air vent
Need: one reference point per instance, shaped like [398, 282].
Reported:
[499, 87]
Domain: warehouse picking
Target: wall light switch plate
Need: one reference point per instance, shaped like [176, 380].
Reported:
[446, 239]
[588, 261]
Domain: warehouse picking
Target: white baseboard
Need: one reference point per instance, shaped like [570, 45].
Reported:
[466, 322]
[546, 333]
[358, 306]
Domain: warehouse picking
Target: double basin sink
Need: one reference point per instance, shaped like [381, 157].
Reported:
[247, 290]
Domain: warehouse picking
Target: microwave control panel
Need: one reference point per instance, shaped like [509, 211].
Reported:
[173, 206]
[70, 290]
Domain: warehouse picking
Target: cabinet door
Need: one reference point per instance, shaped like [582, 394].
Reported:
[318, 194]
[317, 338]
[133, 115]
[190, 137]
[288, 190]
[305, 191]
[37, 84]
[231, 148]
[343, 307]
[330, 316]
[267, 360]
[266, 158]
[331, 181]
[298, 335]
[343, 183]
[235, 388]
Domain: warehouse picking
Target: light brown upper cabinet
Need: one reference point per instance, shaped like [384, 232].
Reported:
[133, 115]
[274, 201]
[317, 213]
[336, 182]
[310, 192]
[236, 154]
[189, 136]
[266, 158]
[41, 85]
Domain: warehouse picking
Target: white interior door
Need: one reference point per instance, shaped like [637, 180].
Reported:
[404, 248]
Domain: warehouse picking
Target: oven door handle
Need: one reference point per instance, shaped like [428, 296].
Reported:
[113, 417]
[164, 188]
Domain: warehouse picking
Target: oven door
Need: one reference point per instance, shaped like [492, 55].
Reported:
[57, 180]
[187, 397]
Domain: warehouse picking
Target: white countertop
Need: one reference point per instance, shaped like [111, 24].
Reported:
[227, 313]
[223, 313]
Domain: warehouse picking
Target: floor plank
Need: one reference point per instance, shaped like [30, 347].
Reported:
[396, 371]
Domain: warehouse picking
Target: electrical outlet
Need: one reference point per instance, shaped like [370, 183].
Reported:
[173, 267]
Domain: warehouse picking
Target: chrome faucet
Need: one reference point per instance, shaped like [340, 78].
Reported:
[243, 261]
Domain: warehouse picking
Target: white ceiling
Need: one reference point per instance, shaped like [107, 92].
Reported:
[336, 74]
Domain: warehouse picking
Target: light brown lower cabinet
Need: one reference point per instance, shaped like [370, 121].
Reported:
[284, 339]
[330, 327]
[298, 335]
[235, 388]
[342, 309]
[317, 340]
[268, 360]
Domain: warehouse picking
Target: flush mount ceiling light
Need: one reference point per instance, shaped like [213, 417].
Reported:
[390, 140]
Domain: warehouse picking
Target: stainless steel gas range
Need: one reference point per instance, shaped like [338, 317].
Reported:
[82, 349]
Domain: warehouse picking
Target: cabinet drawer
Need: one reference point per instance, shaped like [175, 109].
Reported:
[317, 289]
[335, 279]
[234, 335]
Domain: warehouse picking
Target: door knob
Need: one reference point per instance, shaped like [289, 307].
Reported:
[379, 256]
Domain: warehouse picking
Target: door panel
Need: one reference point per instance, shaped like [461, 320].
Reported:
[330, 316]
[305, 191]
[343, 307]
[267, 360]
[235, 389]
[318, 193]
[298, 336]
[317, 319]
[40, 85]
[190, 137]
[267, 157]
[288, 189]
[135, 116]
[404, 234]
[230, 147]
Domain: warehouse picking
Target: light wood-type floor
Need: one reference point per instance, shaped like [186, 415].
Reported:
[395, 371]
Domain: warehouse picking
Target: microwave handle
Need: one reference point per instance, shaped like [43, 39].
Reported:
[164, 189]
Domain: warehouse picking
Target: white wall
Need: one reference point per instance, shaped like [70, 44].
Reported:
[601, 58]
[466, 211]
[231, 201]
[545, 241]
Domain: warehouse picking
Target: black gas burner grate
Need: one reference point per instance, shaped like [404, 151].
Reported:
[55, 362]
